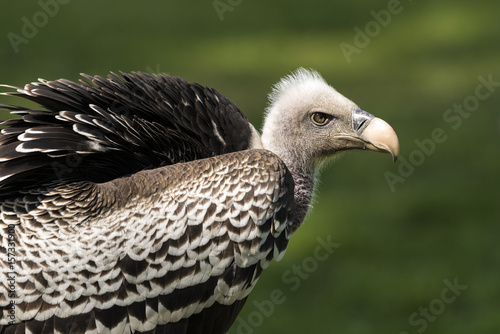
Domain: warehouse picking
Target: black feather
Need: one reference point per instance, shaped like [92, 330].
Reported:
[104, 128]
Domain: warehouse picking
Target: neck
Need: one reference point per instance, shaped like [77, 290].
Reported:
[303, 193]
[302, 173]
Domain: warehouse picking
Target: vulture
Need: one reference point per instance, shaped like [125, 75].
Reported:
[145, 203]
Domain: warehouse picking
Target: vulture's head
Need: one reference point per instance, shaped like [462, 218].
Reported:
[308, 121]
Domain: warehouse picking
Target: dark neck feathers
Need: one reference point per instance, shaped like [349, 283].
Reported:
[304, 190]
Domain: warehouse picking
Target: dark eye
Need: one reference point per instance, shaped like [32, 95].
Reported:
[320, 118]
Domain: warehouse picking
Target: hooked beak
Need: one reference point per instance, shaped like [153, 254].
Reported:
[375, 133]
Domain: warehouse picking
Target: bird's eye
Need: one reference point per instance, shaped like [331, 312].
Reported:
[320, 118]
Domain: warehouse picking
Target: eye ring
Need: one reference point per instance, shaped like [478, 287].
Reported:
[320, 119]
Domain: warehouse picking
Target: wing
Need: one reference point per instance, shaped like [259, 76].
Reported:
[175, 249]
[104, 128]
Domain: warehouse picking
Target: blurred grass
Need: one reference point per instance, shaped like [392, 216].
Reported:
[396, 247]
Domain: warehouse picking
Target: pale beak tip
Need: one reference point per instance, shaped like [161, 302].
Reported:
[382, 137]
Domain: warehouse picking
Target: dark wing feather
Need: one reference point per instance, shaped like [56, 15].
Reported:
[142, 120]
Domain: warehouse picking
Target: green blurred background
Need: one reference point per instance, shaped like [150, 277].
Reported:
[399, 243]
